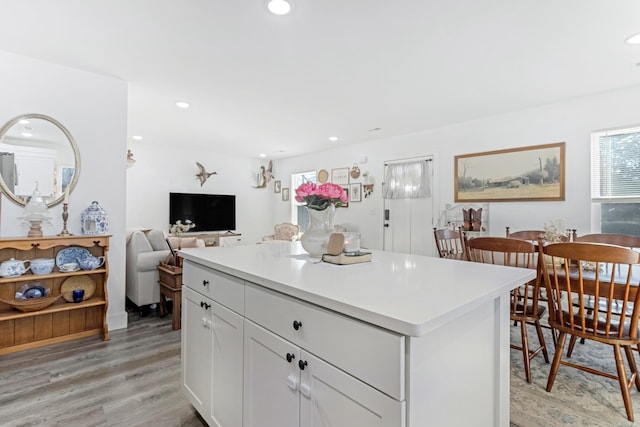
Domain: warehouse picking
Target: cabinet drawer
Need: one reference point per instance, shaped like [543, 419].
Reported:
[220, 287]
[371, 354]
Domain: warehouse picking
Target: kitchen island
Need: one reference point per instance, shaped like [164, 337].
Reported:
[272, 337]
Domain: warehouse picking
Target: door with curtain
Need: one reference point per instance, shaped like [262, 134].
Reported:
[408, 206]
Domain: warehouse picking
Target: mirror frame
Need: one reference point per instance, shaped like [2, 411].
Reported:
[74, 147]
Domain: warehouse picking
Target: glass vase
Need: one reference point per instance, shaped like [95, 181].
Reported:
[316, 238]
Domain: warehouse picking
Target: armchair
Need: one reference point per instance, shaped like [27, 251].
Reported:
[285, 231]
[144, 251]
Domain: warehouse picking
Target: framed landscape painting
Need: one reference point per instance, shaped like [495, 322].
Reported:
[533, 173]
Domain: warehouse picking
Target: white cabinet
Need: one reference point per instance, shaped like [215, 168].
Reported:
[253, 357]
[212, 347]
[196, 350]
[286, 386]
[271, 379]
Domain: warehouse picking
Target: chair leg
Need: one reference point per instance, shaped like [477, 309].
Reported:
[525, 350]
[622, 379]
[632, 365]
[556, 360]
[541, 341]
[572, 344]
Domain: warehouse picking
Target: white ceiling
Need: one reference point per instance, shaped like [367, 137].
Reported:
[260, 83]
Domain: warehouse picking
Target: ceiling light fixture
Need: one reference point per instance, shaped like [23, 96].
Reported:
[333, 138]
[634, 39]
[262, 155]
[182, 104]
[137, 137]
[280, 7]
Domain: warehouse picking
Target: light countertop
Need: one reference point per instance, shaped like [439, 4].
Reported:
[408, 294]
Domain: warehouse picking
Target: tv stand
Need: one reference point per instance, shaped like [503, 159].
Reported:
[228, 238]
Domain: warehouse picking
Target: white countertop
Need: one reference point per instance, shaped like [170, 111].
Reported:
[408, 294]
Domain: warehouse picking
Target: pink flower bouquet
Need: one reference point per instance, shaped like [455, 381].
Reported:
[319, 197]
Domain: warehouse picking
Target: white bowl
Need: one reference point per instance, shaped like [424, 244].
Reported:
[42, 265]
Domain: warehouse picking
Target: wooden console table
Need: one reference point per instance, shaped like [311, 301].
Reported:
[171, 287]
[217, 239]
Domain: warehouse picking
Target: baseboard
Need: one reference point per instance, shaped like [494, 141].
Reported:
[117, 320]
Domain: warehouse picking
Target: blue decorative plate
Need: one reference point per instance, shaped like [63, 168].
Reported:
[71, 254]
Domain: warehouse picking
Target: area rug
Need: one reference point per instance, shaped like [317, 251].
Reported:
[577, 398]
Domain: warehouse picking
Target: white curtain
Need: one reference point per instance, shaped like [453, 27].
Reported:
[407, 181]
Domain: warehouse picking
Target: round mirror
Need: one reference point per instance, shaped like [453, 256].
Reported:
[37, 150]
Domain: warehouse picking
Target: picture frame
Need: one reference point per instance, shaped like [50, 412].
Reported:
[532, 173]
[355, 191]
[276, 186]
[285, 194]
[340, 176]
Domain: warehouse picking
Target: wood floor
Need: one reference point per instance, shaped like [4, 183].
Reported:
[132, 380]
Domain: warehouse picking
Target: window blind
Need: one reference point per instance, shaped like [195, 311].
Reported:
[615, 166]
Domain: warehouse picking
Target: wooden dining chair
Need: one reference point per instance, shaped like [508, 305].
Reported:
[627, 241]
[524, 299]
[449, 243]
[624, 240]
[572, 282]
[530, 235]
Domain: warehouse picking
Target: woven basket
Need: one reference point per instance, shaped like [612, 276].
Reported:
[33, 304]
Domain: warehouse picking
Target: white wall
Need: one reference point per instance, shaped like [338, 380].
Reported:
[94, 110]
[571, 121]
[160, 170]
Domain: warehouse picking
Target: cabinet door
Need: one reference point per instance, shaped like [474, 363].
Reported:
[196, 350]
[227, 365]
[270, 380]
[330, 397]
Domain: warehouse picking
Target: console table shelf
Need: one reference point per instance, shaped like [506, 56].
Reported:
[62, 321]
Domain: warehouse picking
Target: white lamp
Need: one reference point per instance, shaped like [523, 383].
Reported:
[36, 212]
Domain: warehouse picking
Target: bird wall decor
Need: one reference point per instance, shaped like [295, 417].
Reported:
[263, 177]
[203, 175]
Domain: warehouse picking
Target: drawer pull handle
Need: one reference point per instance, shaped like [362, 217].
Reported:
[205, 305]
[302, 364]
[205, 282]
[290, 357]
[297, 325]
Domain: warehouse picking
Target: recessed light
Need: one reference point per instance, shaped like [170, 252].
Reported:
[24, 122]
[634, 39]
[333, 138]
[280, 7]
[262, 155]
[137, 137]
[182, 104]
[27, 134]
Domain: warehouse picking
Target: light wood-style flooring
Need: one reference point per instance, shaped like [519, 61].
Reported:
[131, 380]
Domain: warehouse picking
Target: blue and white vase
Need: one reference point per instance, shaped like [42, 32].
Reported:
[94, 220]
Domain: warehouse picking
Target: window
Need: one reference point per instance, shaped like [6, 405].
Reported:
[615, 179]
[299, 213]
[409, 180]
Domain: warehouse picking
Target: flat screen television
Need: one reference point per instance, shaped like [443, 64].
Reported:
[209, 212]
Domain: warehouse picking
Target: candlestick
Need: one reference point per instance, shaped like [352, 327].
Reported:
[66, 196]
[65, 216]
